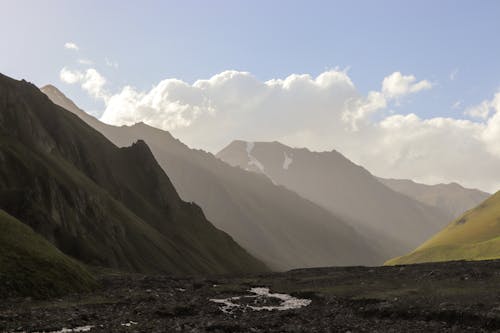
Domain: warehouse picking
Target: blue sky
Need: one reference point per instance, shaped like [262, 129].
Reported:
[438, 58]
[152, 40]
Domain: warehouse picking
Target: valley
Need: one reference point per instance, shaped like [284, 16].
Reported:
[446, 297]
[249, 166]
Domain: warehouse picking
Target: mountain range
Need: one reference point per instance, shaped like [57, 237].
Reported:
[394, 221]
[292, 207]
[453, 199]
[273, 223]
[98, 203]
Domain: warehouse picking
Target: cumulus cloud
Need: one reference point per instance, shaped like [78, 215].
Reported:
[322, 113]
[91, 81]
[69, 76]
[71, 46]
[397, 85]
[480, 111]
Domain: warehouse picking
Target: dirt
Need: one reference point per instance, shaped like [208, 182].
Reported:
[445, 297]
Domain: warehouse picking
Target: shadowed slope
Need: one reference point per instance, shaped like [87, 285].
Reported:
[31, 266]
[104, 205]
[273, 223]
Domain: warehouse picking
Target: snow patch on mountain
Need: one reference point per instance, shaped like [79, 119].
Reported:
[253, 160]
[288, 160]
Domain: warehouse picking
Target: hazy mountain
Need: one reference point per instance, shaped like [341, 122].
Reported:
[273, 223]
[473, 236]
[31, 266]
[104, 205]
[452, 198]
[350, 191]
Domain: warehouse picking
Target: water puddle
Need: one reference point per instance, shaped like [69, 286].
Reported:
[130, 323]
[258, 301]
[69, 330]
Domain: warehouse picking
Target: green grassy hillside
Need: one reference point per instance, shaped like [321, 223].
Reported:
[31, 266]
[473, 236]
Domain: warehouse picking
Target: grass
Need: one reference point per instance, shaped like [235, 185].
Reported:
[473, 236]
[31, 266]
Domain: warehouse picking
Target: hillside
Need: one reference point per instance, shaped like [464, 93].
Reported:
[453, 199]
[104, 205]
[273, 223]
[473, 236]
[23, 253]
[396, 222]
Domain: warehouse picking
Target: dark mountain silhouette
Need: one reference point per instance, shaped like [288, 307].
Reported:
[104, 205]
[273, 223]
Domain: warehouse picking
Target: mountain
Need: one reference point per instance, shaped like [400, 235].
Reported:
[396, 221]
[273, 223]
[473, 236]
[452, 199]
[23, 252]
[103, 205]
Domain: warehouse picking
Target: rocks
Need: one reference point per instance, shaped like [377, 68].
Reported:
[390, 300]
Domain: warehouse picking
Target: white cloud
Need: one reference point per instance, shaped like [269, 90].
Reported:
[397, 85]
[479, 111]
[69, 76]
[91, 81]
[71, 46]
[320, 113]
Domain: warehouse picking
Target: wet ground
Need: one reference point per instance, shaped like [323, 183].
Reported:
[448, 297]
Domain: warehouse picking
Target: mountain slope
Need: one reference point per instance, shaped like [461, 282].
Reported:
[473, 236]
[23, 253]
[104, 205]
[452, 199]
[273, 223]
[350, 191]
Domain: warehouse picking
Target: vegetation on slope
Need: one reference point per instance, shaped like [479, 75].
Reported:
[31, 266]
[473, 236]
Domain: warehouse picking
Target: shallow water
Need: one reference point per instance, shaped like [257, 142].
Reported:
[288, 302]
[68, 330]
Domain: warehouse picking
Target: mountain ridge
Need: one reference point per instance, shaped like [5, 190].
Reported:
[95, 201]
[452, 198]
[346, 189]
[273, 223]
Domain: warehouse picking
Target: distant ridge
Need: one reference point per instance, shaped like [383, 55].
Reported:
[473, 236]
[273, 223]
[453, 199]
[391, 220]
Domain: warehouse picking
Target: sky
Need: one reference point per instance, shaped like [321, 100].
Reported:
[407, 89]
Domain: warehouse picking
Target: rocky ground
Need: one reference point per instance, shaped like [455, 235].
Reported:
[447, 297]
